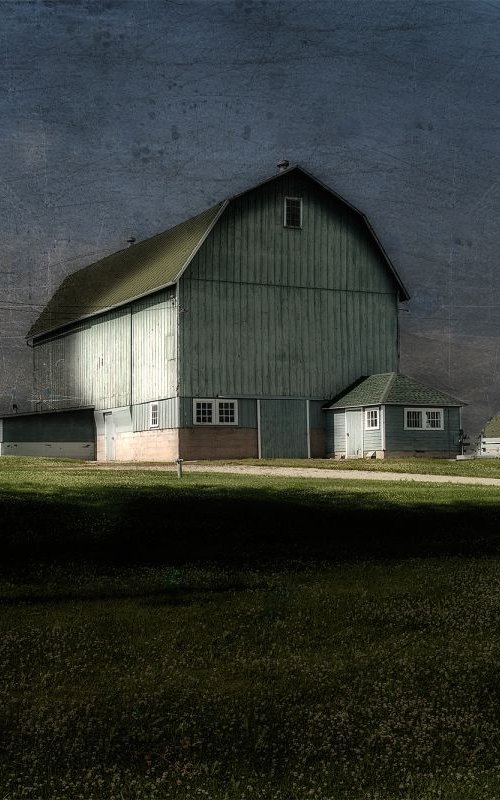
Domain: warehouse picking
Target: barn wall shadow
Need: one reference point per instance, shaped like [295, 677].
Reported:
[237, 526]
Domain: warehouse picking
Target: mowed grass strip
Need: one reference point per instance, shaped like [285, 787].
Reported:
[473, 468]
[234, 637]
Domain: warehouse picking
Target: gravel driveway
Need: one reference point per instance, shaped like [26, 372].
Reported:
[310, 472]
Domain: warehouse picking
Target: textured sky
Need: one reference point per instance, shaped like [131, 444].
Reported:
[124, 118]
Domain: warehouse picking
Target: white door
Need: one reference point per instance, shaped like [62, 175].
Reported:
[109, 435]
[354, 432]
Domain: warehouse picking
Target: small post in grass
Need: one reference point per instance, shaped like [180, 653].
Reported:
[179, 461]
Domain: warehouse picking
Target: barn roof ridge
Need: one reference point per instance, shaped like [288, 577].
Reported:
[154, 264]
[404, 294]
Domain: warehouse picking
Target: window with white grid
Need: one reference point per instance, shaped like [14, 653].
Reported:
[153, 415]
[413, 418]
[434, 418]
[293, 212]
[204, 412]
[212, 411]
[227, 412]
[424, 419]
[371, 419]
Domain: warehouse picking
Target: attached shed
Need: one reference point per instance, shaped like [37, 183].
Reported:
[390, 414]
[65, 434]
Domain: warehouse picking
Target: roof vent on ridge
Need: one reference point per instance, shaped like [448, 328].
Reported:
[283, 165]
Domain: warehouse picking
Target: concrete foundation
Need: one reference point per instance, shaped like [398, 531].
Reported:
[152, 445]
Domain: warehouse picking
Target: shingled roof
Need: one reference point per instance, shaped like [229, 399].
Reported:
[154, 264]
[392, 388]
[126, 275]
[492, 427]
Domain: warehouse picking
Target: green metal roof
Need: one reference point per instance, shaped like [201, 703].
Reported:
[124, 276]
[492, 427]
[392, 388]
[152, 265]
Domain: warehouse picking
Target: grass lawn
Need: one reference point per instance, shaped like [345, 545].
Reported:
[237, 637]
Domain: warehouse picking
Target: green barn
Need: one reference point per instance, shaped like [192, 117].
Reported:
[224, 336]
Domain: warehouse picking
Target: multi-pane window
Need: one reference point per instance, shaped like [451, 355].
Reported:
[426, 419]
[293, 212]
[434, 418]
[204, 412]
[153, 415]
[371, 419]
[227, 412]
[215, 412]
[413, 418]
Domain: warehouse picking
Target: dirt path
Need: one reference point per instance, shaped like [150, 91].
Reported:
[311, 472]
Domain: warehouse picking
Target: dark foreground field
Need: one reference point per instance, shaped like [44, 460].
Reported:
[236, 637]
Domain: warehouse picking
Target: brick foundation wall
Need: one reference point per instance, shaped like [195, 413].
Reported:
[217, 442]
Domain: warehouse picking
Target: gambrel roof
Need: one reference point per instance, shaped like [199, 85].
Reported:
[394, 389]
[154, 264]
[126, 275]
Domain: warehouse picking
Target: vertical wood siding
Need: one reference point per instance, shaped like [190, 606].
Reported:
[272, 311]
[168, 415]
[335, 432]
[154, 347]
[90, 364]
[336, 438]
[317, 417]
[283, 425]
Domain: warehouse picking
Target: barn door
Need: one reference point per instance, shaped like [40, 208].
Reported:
[283, 428]
[109, 435]
[354, 432]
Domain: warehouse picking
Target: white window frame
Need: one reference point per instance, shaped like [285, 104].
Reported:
[293, 227]
[216, 402]
[425, 426]
[368, 411]
[203, 400]
[154, 410]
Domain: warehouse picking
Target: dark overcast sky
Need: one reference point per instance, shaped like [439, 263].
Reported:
[124, 118]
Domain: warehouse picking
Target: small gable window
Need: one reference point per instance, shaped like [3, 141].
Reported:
[293, 212]
[371, 419]
[153, 415]
[425, 419]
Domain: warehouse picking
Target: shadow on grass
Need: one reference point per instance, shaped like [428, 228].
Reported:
[242, 525]
[158, 597]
